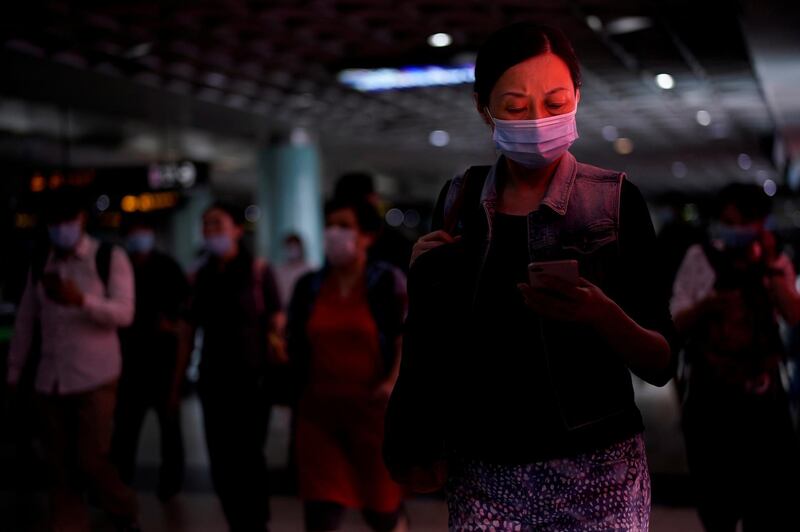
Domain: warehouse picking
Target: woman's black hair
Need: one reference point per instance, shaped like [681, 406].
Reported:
[236, 212]
[514, 44]
[749, 199]
[63, 205]
[367, 216]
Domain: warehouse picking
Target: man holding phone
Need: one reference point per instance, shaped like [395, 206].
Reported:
[76, 297]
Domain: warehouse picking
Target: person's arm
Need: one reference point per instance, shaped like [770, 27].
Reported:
[22, 340]
[783, 290]
[184, 332]
[437, 236]
[636, 324]
[116, 308]
[646, 352]
[398, 303]
[276, 317]
[693, 295]
[298, 348]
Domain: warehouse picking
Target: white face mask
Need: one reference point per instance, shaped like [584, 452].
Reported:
[219, 245]
[340, 245]
[294, 252]
[66, 235]
[535, 143]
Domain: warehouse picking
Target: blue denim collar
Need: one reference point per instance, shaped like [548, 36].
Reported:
[557, 196]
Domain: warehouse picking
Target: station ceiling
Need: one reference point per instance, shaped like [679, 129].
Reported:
[251, 69]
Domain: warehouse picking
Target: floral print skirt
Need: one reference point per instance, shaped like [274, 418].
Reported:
[607, 489]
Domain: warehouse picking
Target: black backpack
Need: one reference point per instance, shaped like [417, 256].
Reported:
[415, 429]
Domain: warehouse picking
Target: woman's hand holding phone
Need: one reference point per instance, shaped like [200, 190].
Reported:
[557, 292]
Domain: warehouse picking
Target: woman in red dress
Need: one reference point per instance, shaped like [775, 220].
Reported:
[344, 333]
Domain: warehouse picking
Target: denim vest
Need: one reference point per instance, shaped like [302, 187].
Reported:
[578, 219]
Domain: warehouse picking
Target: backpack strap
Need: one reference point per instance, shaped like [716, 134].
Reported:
[102, 261]
[259, 265]
[38, 262]
[467, 189]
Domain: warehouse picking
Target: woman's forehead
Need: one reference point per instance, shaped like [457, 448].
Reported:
[546, 73]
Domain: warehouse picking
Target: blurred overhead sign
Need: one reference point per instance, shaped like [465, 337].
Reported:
[382, 79]
[172, 175]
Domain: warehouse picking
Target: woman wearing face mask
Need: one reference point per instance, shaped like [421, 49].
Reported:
[520, 397]
[343, 336]
[236, 305]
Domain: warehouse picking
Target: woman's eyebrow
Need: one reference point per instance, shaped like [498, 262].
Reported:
[522, 94]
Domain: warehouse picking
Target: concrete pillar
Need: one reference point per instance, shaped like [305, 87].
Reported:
[186, 234]
[290, 197]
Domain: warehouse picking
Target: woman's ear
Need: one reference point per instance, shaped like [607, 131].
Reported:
[482, 110]
[238, 232]
[577, 97]
[369, 239]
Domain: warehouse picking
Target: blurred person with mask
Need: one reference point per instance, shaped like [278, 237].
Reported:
[344, 335]
[155, 353]
[390, 245]
[729, 292]
[77, 296]
[236, 304]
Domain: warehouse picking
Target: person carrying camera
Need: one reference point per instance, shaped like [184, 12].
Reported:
[727, 297]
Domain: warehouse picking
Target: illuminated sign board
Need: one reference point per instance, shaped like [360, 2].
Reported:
[383, 79]
[172, 175]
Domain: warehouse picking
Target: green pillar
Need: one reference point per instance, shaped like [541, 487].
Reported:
[186, 235]
[290, 197]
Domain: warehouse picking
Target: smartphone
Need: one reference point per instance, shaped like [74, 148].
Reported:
[566, 270]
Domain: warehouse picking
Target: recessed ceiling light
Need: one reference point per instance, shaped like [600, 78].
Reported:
[140, 50]
[665, 81]
[594, 22]
[770, 187]
[252, 213]
[395, 217]
[103, 203]
[703, 117]
[440, 40]
[628, 25]
[679, 169]
[610, 133]
[439, 138]
[412, 219]
[623, 146]
[744, 160]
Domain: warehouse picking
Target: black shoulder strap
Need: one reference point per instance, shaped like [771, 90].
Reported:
[38, 262]
[469, 192]
[102, 262]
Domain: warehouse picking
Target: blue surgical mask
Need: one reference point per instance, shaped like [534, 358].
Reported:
[219, 245]
[66, 235]
[535, 143]
[140, 242]
[733, 237]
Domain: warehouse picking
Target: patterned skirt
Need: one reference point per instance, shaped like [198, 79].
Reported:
[608, 489]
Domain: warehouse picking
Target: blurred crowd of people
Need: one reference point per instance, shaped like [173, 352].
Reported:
[511, 387]
[104, 335]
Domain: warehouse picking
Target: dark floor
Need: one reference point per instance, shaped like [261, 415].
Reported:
[197, 510]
